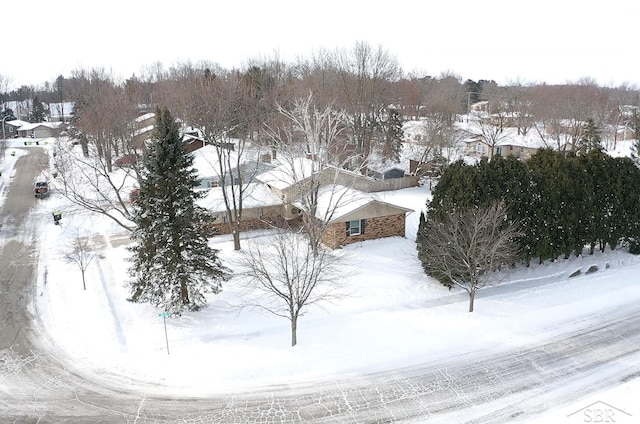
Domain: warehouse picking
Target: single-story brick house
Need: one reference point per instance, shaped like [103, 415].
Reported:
[273, 199]
[352, 216]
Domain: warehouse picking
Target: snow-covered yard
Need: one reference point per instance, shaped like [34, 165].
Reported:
[394, 315]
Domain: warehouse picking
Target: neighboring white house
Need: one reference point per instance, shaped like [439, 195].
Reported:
[41, 129]
[10, 128]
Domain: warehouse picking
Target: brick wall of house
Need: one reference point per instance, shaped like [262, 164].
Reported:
[250, 224]
[375, 228]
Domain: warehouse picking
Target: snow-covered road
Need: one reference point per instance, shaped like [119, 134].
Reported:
[502, 384]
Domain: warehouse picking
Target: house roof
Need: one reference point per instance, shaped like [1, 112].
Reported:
[17, 123]
[256, 195]
[288, 174]
[337, 202]
[205, 160]
[145, 117]
[33, 125]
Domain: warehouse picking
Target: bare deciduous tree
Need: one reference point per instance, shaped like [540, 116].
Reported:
[81, 254]
[518, 105]
[365, 77]
[445, 98]
[285, 276]
[437, 143]
[313, 150]
[465, 247]
[105, 128]
[490, 131]
[87, 181]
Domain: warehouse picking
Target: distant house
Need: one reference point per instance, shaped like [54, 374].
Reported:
[192, 142]
[475, 146]
[624, 132]
[509, 144]
[205, 162]
[144, 126]
[41, 129]
[10, 128]
[516, 149]
[481, 107]
[192, 138]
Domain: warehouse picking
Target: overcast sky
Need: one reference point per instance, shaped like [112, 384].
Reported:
[548, 41]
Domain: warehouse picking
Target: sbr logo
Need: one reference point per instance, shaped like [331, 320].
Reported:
[599, 415]
[601, 412]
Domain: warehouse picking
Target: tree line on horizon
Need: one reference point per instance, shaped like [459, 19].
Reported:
[364, 80]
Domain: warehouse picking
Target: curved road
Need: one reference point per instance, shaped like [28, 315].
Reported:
[41, 384]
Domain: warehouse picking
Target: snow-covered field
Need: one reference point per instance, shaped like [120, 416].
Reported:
[394, 316]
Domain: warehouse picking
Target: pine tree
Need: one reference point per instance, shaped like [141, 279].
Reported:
[172, 264]
[38, 113]
[545, 230]
[590, 138]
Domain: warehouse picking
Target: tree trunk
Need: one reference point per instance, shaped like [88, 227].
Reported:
[84, 284]
[236, 239]
[184, 293]
[472, 296]
[294, 330]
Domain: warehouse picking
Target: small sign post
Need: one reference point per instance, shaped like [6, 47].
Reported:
[164, 316]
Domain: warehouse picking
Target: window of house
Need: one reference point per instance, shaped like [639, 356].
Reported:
[213, 183]
[355, 228]
[499, 151]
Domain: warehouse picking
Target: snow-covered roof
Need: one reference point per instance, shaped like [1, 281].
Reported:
[336, 201]
[145, 117]
[287, 174]
[255, 195]
[31, 125]
[205, 160]
[144, 130]
[17, 123]
[511, 137]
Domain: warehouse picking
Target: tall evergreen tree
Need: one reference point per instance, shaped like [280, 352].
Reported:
[590, 139]
[172, 264]
[38, 112]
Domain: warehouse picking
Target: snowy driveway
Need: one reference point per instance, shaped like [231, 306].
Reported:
[511, 381]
